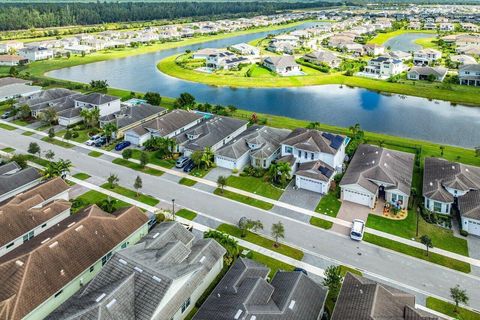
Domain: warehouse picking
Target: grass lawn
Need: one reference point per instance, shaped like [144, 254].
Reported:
[418, 253]
[137, 167]
[449, 309]
[8, 149]
[329, 205]
[83, 134]
[318, 222]
[81, 176]
[95, 197]
[200, 172]
[187, 214]
[28, 133]
[6, 127]
[37, 160]
[243, 199]
[274, 264]
[95, 154]
[261, 241]
[256, 186]
[149, 200]
[187, 182]
[345, 269]
[442, 238]
[21, 122]
[57, 142]
[431, 43]
[381, 38]
[153, 159]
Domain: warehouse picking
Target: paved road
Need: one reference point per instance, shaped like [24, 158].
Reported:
[414, 274]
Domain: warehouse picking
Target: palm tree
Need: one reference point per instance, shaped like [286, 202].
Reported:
[272, 172]
[49, 171]
[278, 231]
[95, 117]
[86, 116]
[109, 129]
[356, 130]
[230, 244]
[283, 169]
[221, 182]
[108, 204]
[63, 167]
[207, 157]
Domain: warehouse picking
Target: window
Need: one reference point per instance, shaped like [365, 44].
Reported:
[437, 206]
[428, 203]
[311, 156]
[185, 305]
[92, 268]
[264, 163]
[305, 155]
[10, 244]
[28, 236]
[124, 245]
[288, 149]
[299, 153]
[58, 293]
[105, 258]
[44, 225]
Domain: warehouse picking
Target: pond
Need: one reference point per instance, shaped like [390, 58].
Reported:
[413, 117]
[406, 42]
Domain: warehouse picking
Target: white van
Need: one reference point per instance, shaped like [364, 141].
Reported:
[358, 227]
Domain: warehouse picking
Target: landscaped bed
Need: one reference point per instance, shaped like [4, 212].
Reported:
[95, 197]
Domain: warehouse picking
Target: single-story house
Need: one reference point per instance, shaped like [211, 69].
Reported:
[378, 173]
[463, 59]
[12, 60]
[17, 90]
[69, 117]
[204, 53]
[425, 73]
[245, 49]
[469, 74]
[283, 65]
[323, 56]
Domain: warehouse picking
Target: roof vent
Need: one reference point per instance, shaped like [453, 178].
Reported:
[453, 167]
[53, 245]
[62, 272]
[122, 261]
[373, 161]
[19, 263]
[156, 235]
[45, 240]
[71, 224]
[253, 318]
[100, 297]
[202, 259]
[111, 303]
[47, 210]
[466, 169]
[291, 305]
[238, 314]
[431, 184]
[157, 279]
[138, 269]
[79, 228]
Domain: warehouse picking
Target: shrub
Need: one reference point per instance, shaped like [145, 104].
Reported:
[160, 217]
[74, 134]
[67, 135]
[235, 171]
[464, 233]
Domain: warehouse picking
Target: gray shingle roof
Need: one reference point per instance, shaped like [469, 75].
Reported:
[364, 299]
[317, 170]
[96, 98]
[281, 61]
[469, 205]
[438, 72]
[382, 165]
[243, 291]
[167, 123]
[209, 132]
[9, 80]
[11, 178]
[48, 98]
[130, 115]
[135, 281]
[322, 56]
[312, 140]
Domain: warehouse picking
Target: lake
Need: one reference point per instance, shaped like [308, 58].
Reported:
[413, 117]
[406, 42]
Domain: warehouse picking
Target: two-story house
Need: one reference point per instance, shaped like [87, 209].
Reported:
[35, 53]
[224, 60]
[426, 56]
[384, 67]
[469, 75]
[105, 103]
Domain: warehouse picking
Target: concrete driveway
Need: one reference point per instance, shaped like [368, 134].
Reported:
[300, 198]
[348, 212]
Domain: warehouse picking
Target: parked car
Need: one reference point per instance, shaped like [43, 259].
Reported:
[100, 142]
[301, 270]
[6, 114]
[358, 227]
[122, 145]
[189, 166]
[93, 140]
[181, 162]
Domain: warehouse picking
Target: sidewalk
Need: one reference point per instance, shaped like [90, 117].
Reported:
[340, 222]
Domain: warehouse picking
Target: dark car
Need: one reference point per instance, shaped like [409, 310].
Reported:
[189, 166]
[301, 270]
[122, 145]
[100, 142]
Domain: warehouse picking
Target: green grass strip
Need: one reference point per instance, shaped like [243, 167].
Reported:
[318, 222]
[57, 142]
[187, 182]
[186, 214]
[149, 200]
[6, 127]
[81, 176]
[137, 167]
[8, 149]
[449, 309]
[273, 264]
[95, 154]
[28, 133]
[243, 199]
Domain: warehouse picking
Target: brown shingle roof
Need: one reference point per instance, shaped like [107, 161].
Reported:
[41, 267]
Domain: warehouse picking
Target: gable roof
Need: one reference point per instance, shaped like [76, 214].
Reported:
[12, 177]
[96, 98]
[314, 141]
[438, 72]
[364, 299]
[281, 61]
[321, 55]
[59, 255]
[168, 123]
[383, 165]
[136, 280]
[243, 291]
[132, 114]
[317, 170]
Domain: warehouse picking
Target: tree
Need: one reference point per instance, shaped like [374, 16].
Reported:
[356, 131]
[34, 148]
[221, 182]
[51, 133]
[278, 231]
[230, 244]
[99, 85]
[427, 242]
[272, 172]
[196, 157]
[24, 111]
[232, 109]
[283, 169]
[127, 154]
[313, 125]
[48, 116]
[477, 151]
[13, 72]
[20, 159]
[333, 280]
[138, 184]
[112, 180]
[184, 100]
[207, 157]
[63, 167]
[459, 296]
[109, 130]
[249, 225]
[108, 205]
[442, 149]
[153, 98]
[86, 116]
[49, 154]
[143, 159]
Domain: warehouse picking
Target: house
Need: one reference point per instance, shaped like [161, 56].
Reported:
[374, 49]
[470, 27]
[426, 56]
[131, 116]
[383, 67]
[430, 26]
[463, 59]
[282, 65]
[245, 293]
[378, 173]
[12, 60]
[165, 126]
[307, 150]
[257, 146]
[245, 49]
[281, 47]
[224, 60]
[105, 103]
[427, 73]
[323, 57]
[204, 53]
[57, 98]
[67, 256]
[79, 49]
[14, 179]
[286, 38]
[35, 53]
[469, 75]
[13, 88]
[32, 212]
[10, 46]
[446, 27]
[69, 116]
[398, 55]
[471, 50]
[161, 277]
[363, 299]
[212, 133]
[447, 184]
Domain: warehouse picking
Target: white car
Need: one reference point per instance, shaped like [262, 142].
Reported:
[92, 140]
[358, 227]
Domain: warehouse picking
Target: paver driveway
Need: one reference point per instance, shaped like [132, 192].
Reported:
[348, 212]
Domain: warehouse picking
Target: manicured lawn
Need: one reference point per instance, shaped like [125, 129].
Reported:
[28, 133]
[200, 172]
[318, 222]
[449, 309]
[6, 127]
[57, 142]
[8, 149]
[256, 186]
[345, 269]
[153, 159]
[21, 122]
[132, 194]
[187, 214]
[244, 199]
[95, 154]
[381, 38]
[261, 241]
[81, 176]
[95, 197]
[274, 264]
[37, 160]
[137, 167]
[442, 238]
[428, 43]
[83, 134]
[187, 182]
[329, 205]
[418, 253]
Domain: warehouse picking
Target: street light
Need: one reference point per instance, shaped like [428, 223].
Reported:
[173, 208]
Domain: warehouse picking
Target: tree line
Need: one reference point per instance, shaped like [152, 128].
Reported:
[15, 16]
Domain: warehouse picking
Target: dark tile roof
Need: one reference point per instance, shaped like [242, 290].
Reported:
[168, 123]
[245, 293]
[135, 281]
[317, 170]
[383, 165]
[96, 98]
[129, 115]
[314, 141]
[364, 299]
[12, 177]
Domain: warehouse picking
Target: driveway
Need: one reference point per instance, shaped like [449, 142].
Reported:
[474, 251]
[300, 198]
[348, 212]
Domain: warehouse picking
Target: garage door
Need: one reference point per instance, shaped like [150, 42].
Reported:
[309, 184]
[224, 163]
[356, 197]
[474, 227]
[133, 139]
